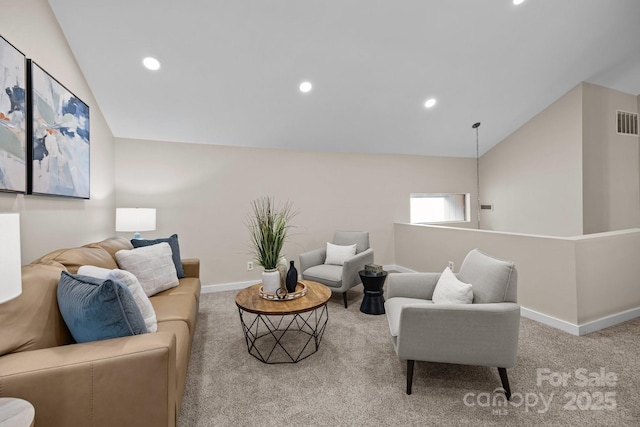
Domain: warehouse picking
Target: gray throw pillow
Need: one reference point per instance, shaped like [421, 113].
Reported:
[175, 250]
[96, 309]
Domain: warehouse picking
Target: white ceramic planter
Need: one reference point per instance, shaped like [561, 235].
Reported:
[270, 281]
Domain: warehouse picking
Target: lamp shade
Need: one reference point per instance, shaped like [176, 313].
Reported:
[10, 263]
[135, 219]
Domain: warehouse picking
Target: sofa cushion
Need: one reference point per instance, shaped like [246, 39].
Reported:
[450, 290]
[131, 282]
[152, 265]
[94, 309]
[175, 250]
[337, 255]
[188, 285]
[74, 258]
[490, 276]
[176, 307]
[32, 321]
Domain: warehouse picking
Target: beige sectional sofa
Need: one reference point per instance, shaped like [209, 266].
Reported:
[137, 380]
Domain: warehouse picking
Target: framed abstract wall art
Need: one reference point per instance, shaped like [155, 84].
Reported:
[58, 147]
[13, 132]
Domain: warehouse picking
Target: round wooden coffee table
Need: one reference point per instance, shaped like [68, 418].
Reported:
[285, 331]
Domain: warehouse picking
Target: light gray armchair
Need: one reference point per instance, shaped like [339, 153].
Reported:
[483, 333]
[339, 278]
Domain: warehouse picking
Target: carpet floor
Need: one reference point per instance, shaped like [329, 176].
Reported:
[356, 379]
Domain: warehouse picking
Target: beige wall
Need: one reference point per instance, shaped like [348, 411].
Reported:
[566, 172]
[202, 192]
[534, 177]
[608, 274]
[611, 162]
[49, 223]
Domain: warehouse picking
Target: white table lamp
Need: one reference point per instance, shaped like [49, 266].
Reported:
[136, 220]
[10, 262]
[12, 411]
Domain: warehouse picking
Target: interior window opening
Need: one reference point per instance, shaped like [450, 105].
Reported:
[429, 208]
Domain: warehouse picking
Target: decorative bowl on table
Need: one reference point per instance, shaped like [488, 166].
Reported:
[282, 295]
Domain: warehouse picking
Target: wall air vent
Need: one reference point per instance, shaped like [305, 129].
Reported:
[627, 123]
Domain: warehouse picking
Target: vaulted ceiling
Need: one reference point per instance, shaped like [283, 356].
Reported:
[230, 70]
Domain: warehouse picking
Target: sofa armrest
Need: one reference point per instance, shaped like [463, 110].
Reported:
[312, 258]
[468, 334]
[122, 382]
[412, 285]
[191, 267]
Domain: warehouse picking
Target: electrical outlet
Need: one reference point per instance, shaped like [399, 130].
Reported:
[249, 265]
[451, 265]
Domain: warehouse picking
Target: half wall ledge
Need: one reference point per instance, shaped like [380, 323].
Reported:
[577, 284]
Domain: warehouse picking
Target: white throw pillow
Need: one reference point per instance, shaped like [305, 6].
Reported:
[93, 271]
[141, 299]
[337, 255]
[450, 290]
[152, 265]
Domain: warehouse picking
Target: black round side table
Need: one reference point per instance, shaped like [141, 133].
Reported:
[373, 301]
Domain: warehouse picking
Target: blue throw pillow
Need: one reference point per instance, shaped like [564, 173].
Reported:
[96, 309]
[175, 250]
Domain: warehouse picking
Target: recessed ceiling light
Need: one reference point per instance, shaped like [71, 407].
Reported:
[430, 102]
[151, 63]
[305, 87]
[517, 2]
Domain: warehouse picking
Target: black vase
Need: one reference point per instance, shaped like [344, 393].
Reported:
[292, 278]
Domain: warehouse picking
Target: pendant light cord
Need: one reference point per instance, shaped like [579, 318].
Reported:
[476, 126]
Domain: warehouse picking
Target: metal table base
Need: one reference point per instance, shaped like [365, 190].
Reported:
[284, 338]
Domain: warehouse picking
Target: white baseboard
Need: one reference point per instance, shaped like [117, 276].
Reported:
[605, 322]
[399, 268]
[550, 321]
[585, 328]
[236, 286]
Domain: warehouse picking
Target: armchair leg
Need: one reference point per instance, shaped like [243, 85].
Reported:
[344, 298]
[410, 364]
[505, 382]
